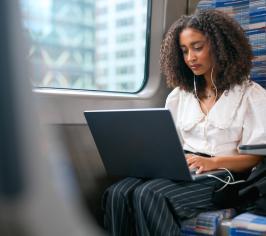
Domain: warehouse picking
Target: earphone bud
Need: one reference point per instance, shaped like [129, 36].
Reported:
[195, 87]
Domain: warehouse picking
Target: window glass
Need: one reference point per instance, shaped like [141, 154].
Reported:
[87, 44]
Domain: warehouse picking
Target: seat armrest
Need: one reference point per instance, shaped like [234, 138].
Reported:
[256, 149]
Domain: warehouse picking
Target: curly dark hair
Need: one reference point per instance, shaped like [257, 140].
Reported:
[231, 51]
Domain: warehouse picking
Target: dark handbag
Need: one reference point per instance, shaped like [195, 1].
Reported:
[250, 194]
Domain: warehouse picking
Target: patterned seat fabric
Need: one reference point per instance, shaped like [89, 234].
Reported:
[206, 223]
[251, 14]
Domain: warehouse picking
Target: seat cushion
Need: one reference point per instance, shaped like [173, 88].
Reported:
[248, 224]
[206, 223]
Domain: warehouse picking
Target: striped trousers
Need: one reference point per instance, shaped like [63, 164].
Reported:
[154, 207]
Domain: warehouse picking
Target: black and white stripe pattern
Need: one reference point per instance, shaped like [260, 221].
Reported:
[154, 207]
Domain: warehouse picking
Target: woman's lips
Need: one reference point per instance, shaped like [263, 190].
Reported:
[195, 67]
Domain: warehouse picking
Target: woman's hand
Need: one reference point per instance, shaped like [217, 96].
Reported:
[236, 163]
[200, 163]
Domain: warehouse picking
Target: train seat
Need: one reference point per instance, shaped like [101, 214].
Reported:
[251, 14]
[209, 223]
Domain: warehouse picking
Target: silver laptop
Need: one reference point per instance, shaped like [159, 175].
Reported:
[140, 143]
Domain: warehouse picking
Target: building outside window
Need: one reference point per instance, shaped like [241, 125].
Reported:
[82, 44]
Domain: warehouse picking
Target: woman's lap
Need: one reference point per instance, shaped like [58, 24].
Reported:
[183, 197]
[157, 203]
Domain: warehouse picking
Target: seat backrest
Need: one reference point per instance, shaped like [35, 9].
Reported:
[251, 14]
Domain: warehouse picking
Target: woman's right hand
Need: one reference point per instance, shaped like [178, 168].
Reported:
[200, 163]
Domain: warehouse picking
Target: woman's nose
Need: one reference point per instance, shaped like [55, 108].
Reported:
[191, 57]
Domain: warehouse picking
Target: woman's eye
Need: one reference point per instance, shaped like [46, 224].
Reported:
[198, 48]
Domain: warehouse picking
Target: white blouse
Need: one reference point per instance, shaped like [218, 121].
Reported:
[238, 117]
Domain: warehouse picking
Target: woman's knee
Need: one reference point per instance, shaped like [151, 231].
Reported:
[121, 190]
[145, 193]
[154, 187]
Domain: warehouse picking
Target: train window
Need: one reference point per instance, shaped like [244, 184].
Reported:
[87, 44]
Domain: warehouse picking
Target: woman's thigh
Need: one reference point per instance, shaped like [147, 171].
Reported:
[185, 199]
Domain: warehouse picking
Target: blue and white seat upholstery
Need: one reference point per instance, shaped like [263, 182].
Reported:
[251, 14]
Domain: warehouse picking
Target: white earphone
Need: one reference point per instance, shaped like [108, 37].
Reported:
[195, 90]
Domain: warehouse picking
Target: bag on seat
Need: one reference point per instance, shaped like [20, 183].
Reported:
[249, 195]
[255, 191]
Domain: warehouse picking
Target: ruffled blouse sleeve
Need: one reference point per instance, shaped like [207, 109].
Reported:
[254, 126]
[173, 104]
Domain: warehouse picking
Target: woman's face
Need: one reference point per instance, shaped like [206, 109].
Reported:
[196, 51]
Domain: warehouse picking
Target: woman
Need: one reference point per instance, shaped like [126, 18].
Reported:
[206, 58]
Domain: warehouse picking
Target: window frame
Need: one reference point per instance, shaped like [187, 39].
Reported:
[65, 106]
